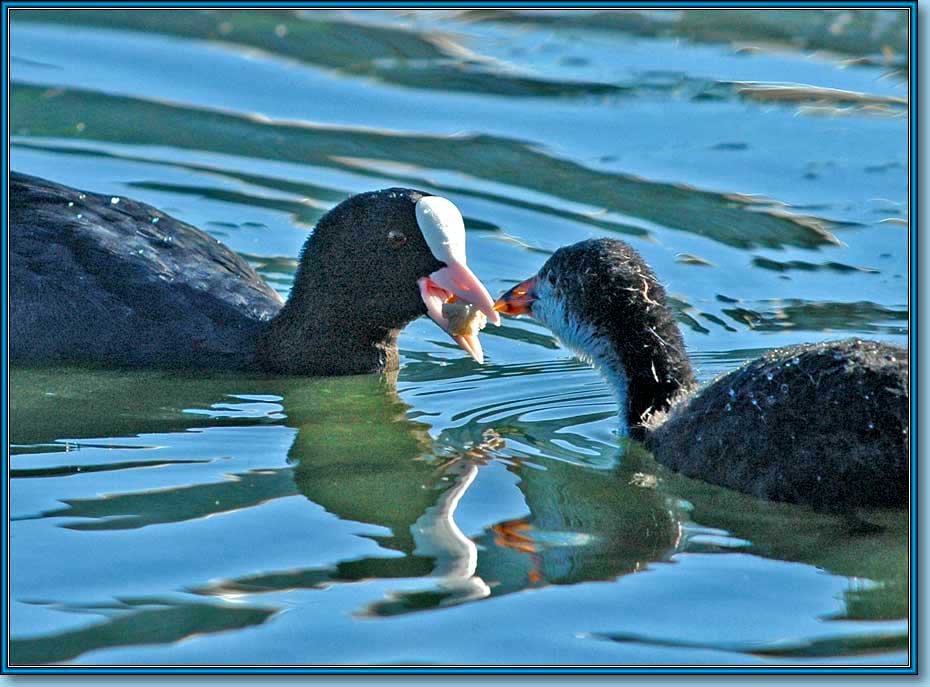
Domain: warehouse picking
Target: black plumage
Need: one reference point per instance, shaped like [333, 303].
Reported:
[105, 280]
[823, 424]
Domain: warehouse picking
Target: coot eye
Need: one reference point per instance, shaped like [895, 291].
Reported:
[397, 238]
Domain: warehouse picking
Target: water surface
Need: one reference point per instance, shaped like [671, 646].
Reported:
[460, 514]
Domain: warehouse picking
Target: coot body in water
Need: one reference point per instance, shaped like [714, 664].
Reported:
[822, 424]
[108, 280]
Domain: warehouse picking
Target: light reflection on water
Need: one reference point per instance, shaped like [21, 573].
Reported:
[458, 514]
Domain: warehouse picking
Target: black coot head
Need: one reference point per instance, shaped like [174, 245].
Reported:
[600, 283]
[603, 282]
[602, 300]
[392, 255]
[370, 248]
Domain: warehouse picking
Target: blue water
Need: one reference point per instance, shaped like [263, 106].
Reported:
[459, 514]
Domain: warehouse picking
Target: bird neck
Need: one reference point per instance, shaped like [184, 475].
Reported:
[644, 361]
[598, 350]
[316, 333]
[648, 376]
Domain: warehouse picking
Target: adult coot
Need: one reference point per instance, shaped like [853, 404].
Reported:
[108, 280]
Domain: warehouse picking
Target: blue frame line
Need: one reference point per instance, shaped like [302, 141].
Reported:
[4, 374]
[912, 669]
[749, 4]
[913, 214]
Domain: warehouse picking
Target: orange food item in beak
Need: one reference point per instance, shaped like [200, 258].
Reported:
[456, 282]
[518, 300]
[462, 283]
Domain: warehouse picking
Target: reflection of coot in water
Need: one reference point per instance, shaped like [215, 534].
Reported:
[367, 469]
[584, 525]
[821, 424]
[373, 470]
[580, 526]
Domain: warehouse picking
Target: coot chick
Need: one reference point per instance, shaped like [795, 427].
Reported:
[821, 424]
[108, 280]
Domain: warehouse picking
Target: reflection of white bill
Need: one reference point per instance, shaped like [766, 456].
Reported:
[437, 536]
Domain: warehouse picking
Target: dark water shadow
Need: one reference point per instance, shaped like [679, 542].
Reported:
[861, 33]
[733, 219]
[398, 56]
[145, 622]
